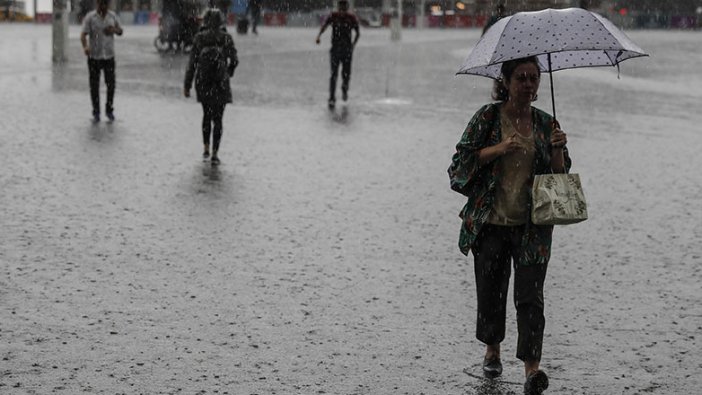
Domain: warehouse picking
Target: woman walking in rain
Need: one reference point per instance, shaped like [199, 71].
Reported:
[504, 145]
[212, 62]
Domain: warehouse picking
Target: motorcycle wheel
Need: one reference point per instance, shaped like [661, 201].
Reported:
[161, 46]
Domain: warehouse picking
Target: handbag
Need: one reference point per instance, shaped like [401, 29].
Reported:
[557, 199]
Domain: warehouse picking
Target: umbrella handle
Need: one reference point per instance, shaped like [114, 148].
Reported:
[550, 75]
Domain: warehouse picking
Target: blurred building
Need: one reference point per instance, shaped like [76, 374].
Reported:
[411, 6]
[436, 13]
[121, 5]
[654, 14]
[13, 10]
[657, 6]
[141, 11]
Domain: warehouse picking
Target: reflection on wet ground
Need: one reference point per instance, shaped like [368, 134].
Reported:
[340, 114]
[99, 131]
[486, 386]
[493, 387]
[211, 171]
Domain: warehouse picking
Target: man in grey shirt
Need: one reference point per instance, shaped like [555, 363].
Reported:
[101, 25]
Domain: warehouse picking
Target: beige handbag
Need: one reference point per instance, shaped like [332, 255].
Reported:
[557, 199]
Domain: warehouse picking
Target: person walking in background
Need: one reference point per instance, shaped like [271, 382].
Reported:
[97, 39]
[84, 7]
[341, 52]
[499, 14]
[504, 145]
[254, 8]
[212, 62]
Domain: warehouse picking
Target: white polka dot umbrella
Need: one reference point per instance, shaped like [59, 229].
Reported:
[561, 39]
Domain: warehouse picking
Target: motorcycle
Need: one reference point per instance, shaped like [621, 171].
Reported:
[178, 25]
[176, 34]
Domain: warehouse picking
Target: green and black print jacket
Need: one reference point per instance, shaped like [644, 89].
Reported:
[479, 183]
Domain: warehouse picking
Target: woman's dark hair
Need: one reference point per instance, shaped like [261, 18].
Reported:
[499, 91]
[213, 19]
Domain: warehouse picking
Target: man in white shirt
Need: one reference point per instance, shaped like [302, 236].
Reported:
[101, 25]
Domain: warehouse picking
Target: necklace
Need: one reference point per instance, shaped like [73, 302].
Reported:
[523, 125]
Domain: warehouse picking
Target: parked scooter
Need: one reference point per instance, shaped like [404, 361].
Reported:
[178, 25]
[176, 35]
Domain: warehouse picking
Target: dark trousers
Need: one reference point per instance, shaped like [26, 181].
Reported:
[108, 68]
[255, 17]
[493, 251]
[212, 123]
[340, 58]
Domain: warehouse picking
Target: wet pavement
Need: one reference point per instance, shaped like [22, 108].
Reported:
[321, 255]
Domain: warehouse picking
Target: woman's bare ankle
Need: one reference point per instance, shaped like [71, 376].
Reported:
[530, 367]
[492, 351]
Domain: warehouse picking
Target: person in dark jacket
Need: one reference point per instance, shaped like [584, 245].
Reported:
[254, 8]
[213, 91]
[499, 14]
[341, 52]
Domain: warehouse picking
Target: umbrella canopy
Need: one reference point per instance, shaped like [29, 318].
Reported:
[560, 39]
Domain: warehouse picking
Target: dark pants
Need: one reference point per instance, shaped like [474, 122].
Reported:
[340, 57]
[212, 123]
[494, 249]
[255, 17]
[108, 68]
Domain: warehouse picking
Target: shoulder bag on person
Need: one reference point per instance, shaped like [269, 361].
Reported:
[557, 199]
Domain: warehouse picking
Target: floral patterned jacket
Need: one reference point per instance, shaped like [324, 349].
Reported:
[479, 183]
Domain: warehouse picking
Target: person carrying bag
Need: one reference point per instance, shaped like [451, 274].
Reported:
[505, 146]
